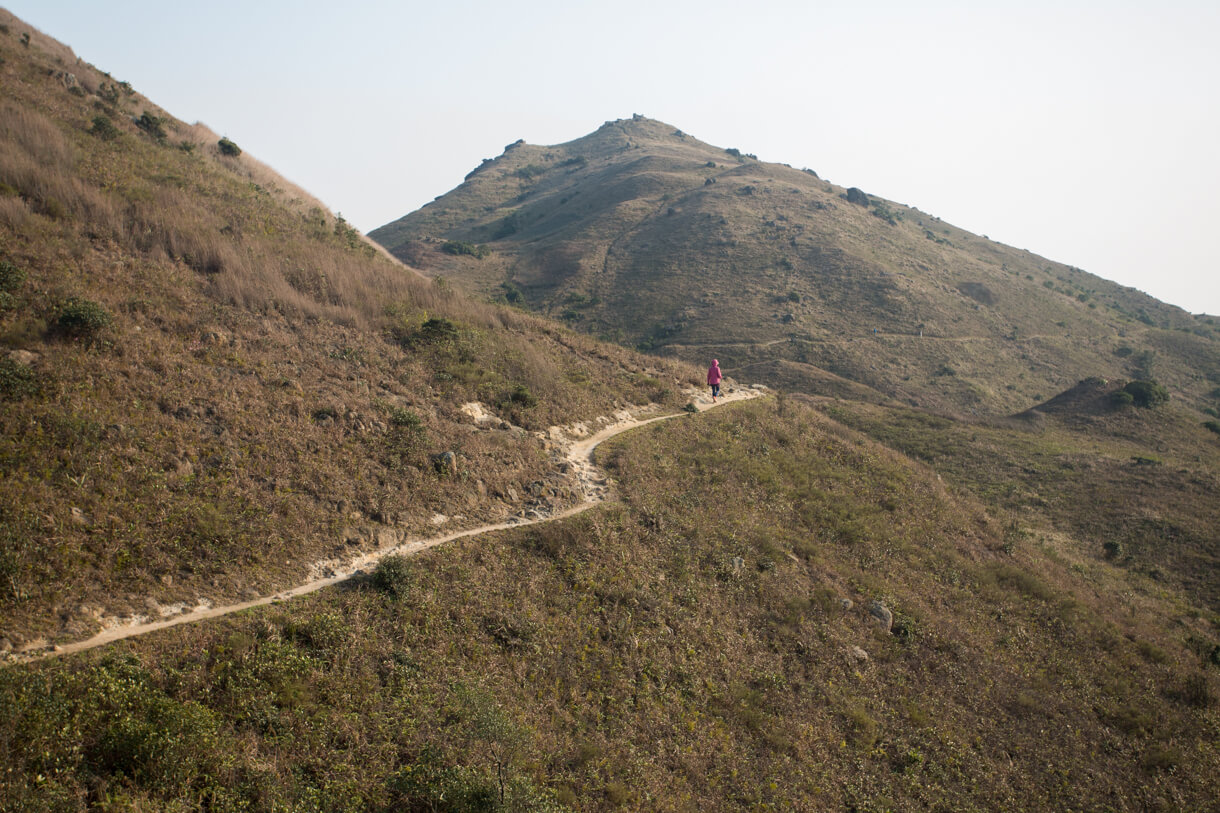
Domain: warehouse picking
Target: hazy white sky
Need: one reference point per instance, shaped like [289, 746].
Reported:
[1086, 132]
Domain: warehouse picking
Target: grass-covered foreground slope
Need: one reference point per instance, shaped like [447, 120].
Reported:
[646, 234]
[707, 644]
[207, 382]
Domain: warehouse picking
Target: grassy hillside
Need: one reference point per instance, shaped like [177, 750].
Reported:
[833, 602]
[644, 234]
[707, 644]
[207, 382]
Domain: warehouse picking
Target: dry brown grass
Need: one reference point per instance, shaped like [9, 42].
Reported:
[239, 414]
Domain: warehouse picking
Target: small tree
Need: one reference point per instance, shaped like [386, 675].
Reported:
[227, 147]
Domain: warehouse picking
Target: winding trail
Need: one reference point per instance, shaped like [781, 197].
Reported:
[595, 488]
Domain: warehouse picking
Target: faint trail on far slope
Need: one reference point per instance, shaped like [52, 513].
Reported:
[595, 488]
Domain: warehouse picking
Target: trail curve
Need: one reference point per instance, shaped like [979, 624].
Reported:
[595, 489]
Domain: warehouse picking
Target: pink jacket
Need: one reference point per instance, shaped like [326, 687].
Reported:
[713, 373]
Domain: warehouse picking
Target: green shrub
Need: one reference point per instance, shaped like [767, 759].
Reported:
[153, 125]
[459, 248]
[435, 331]
[1146, 394]
[1121, 398]
[227, 147]
[522, 397]
[16, 380]
[11, 279]
[1213, 426]
[512, 293]
[393, 575]
[104, 129]
[405, 419]
[405, 438]
[81, 318]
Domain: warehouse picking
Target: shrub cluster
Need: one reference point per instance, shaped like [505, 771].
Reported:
[81, 318]
[153, 125]
[104, 128]
[1141, 393]
[227, 147]
[16, 380]
[11, 279]
[459, 248]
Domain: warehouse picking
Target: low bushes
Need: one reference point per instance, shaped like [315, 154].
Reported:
[81, 318]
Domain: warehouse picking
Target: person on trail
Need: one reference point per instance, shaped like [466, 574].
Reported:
[713, 378]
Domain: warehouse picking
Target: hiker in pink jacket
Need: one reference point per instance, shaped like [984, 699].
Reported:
[713, 378]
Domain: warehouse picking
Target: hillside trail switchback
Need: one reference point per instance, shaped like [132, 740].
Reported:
[594, 485]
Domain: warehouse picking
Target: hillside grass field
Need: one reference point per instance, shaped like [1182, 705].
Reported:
[208, 383]
[706, 644]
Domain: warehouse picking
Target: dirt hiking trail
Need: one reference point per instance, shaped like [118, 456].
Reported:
[595, 488]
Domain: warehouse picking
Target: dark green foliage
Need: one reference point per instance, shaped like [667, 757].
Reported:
[512, 294]
[405, 419]
[153, 125]
[1122, 398]
[458, 248]
[16, 380]
[227, 147]
[521, 396]
[11, 279]
[405, 438]
[1213, 426]
[393, 575]
[104, 128]
[81, 318]
[1145, 393]
[435, 331]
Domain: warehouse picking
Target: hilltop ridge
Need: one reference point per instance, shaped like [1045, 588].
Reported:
[643, 234]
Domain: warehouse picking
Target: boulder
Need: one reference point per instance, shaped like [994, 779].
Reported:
[445, 463]
[858, 654]
[884, 617]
